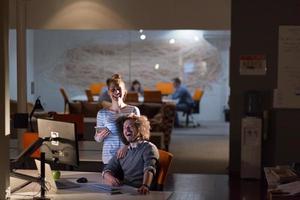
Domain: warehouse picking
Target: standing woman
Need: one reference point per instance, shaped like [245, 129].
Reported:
[107, 128]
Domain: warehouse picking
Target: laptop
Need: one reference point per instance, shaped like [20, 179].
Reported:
[51, 184]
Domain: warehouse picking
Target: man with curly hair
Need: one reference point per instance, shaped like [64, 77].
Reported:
[139, 165]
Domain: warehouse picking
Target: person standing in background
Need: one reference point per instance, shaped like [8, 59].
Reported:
[184, 97]
[106, 128]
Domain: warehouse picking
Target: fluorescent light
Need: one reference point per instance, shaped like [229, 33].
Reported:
[143, 37]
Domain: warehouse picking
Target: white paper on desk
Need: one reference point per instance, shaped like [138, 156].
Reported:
[292, 188]
[103, 187]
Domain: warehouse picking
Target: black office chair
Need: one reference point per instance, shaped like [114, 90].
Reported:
[194, 109]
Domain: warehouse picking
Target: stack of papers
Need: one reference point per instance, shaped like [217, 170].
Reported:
[292, 188]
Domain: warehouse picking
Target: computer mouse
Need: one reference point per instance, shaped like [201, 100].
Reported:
[82, 180]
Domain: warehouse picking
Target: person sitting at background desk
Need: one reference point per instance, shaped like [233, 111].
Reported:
[104, 97]
[185, 100]
[138, 167]
[136, 87]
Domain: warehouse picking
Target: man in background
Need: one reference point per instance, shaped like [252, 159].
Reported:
[184, 97]
[104, 97]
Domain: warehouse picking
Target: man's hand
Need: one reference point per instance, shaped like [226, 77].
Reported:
[121, 153]
[144, 190]
[111, 180]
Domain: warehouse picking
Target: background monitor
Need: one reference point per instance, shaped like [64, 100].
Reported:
[63, 149]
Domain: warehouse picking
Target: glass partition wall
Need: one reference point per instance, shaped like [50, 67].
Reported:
[73, 59]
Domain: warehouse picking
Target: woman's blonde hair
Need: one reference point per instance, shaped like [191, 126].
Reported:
[116, 79]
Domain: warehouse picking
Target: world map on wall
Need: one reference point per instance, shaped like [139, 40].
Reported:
[151, 61]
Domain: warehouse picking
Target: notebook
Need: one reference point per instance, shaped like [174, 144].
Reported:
[51, 184]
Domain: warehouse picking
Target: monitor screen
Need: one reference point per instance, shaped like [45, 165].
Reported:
[63, 147]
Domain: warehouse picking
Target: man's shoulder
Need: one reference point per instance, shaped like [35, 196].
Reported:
[149, 145]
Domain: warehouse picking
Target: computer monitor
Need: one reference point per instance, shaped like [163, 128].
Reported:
[62, 147]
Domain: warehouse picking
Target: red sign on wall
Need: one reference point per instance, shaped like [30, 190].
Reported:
[253, 65]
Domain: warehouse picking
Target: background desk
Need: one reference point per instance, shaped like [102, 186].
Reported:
[85, 192]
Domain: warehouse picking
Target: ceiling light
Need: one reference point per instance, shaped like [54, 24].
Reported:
[156, 66]
[142, 37]
[172, 41]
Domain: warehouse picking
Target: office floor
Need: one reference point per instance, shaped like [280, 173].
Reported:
[199, 168]
[203, 149]
[214, 187]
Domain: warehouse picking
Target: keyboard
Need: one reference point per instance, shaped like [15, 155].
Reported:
[65, 184]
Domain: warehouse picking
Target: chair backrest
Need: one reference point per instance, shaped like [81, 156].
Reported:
[95, 88]
[89, 95]
[64, 94]
[166, 88]
[28, 139]
[66, 98]
[165, 159]
[132, 97]
[73, 118]
[152, 96]
[198, 94]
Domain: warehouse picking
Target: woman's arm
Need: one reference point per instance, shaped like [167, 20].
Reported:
[100, 130]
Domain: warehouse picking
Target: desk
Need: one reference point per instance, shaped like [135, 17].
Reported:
[165, 99]
[83, 98]
[86, 191]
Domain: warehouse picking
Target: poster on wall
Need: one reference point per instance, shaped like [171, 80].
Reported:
[253, 65]
[287, 94]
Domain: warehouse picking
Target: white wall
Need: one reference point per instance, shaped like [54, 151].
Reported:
[13, 64]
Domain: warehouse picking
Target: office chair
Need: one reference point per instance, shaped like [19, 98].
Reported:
[152, 96]
[95, 88]
[89, 95]
[66, 100]
[29, 138]
[72, 118]
[165, 159]
[195, 109]
[166, 88]
[132, 97]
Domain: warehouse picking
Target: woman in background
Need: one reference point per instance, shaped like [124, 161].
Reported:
[106, 128]
[136, 87]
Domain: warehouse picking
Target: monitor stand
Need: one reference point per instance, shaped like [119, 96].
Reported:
[42, 179]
